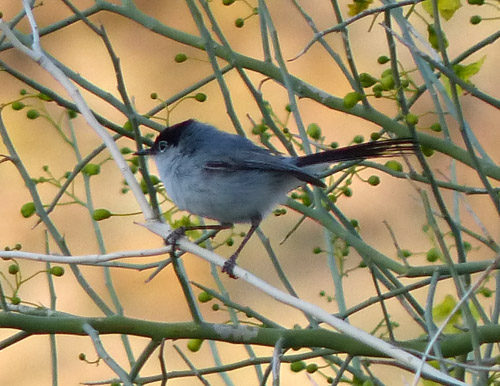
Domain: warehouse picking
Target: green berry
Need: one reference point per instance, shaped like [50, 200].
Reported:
[101, 214]
[227, 2]
[374, 136]
[72, 114]
[18, 105]
[317, 250]
[436, 127]
[427, 151]
[91, 169]
[179, 58]
[411, 119]
[432, 255]
[44, 97]
[374, 180]
[367, 80]
[28, 209]
[346, 191]
[351, 99]
[239, 22]
[153, 95]
[82, 356]
[476, 19]
[215, 307]
[406, 253]
[126, 150]
[394, 165]
[15, 300]
[486, 292]
[354, 223]
[259, 129]
[314, 131]
[383, 59]
[57, 271]
[358, 139]
[128, 126]
[288, 108]
[23, 91]
[32, 114]
[387, 82]
[204, 297]
[297, 366]
[194, 344]
[13, 269]
[312, 368]
[200, 97]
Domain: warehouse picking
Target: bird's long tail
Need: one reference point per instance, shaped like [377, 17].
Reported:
[375, 149]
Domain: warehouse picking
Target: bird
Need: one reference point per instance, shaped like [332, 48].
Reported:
[227, 178]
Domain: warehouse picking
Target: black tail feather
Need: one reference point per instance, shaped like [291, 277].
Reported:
[375, 149]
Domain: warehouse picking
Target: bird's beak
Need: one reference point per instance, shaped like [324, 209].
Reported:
[143, 152]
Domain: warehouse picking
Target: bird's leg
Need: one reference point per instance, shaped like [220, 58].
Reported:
[230, 263]
[177, 233]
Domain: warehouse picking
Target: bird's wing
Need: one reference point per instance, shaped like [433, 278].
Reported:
[266, 162]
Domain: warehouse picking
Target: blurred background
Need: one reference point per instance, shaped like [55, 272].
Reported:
[148, 65]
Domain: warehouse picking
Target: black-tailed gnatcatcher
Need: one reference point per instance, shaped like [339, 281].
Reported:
[227, 178]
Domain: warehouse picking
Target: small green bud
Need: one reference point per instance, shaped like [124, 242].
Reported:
[334, 145]
[179, 58]
[432, 255]
[406, 253]
[57, 271]
[312, 368]
[288, 108]
[153, 95]
[374, 180]
[314, 131]
[18, 105]
[28, 209]
[18, 246]
[13, 269]
[354, 223]
[367, 80]
[297, 366]
[101, 214]
[91, 169]
[200, 97]
[215, 307]
[411, 119]
[154, 179]
[375, 136]
[82, 356]
[486, 292]
[358, 139]
[427, 151]
[394, 165]
[15, 300]
[259, 129]
[44, 97]
[230, 242]
[351, 99]
[239, 22]
[227, 2]
[72, 114]
[32, 114]
[317, 250]
[194, 344]
[387, 82]
[204, 297]
[476, 2]
[436, 127]
[23, 91]
[476, 19]
[126, 150]
[346, 191]
[383, 59]
[128, 126]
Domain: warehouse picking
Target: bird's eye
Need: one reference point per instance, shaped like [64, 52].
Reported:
[162, 146]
